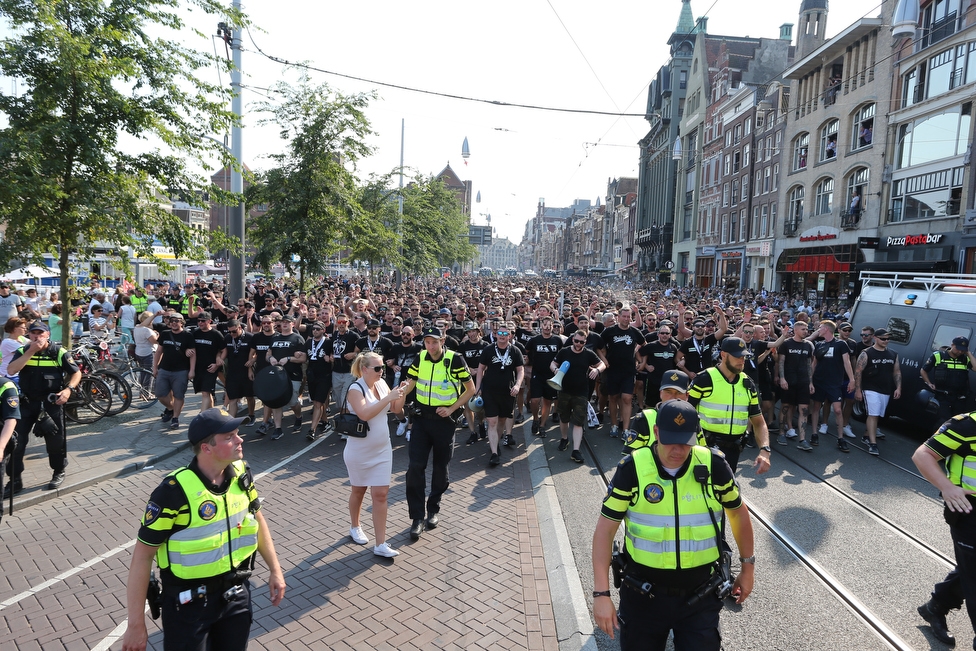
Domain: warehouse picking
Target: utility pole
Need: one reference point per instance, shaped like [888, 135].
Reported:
[235, 277]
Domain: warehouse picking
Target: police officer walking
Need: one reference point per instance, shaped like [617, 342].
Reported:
[947, 373]
[954, 444]
[43, 366]
[728, 401]
[203, 525]
[676, 584]
[443, 385]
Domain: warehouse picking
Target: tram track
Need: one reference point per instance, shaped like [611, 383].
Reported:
[833, 585]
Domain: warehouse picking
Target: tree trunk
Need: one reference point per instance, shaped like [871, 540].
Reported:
[66, 309]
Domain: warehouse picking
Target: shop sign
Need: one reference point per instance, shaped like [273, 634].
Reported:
[821, 281]
[753, 249]
[708, 250]
[868, 242]
[818, 237]
[915, 240]
[731, 254]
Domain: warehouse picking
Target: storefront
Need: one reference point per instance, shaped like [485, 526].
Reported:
[705, 267]
[757, 270]
[728, 268]
[823, 272]
[916, 252]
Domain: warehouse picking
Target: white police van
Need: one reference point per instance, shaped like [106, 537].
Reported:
[923, 313]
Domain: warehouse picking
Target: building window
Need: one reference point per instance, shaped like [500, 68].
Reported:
[765, 184]
[772, 219]
[735, 192]
[755, 223]
[824, 197]
[725, 229]
[934, 137]
[728, 165]
[757, 187]
[725, 195]
[911, 86]
[769, 147]
[736, 162]
[764, 222]
[683, 79]
[801, 144]
[745, 156]
[939, 20]
[728, 138]
[748, 126]
[738, 133]
[862, 130]
[745, 186]
[924, 196]
[743, 225]
[828, 140]
[796, 205]
[775, 177]
[733, 226]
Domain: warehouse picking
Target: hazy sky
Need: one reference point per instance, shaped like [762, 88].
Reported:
[554, 53]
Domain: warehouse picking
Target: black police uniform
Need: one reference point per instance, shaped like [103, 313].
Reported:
[43, 375]
[951, 378]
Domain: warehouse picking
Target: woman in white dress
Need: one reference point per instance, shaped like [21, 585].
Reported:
[369, 460]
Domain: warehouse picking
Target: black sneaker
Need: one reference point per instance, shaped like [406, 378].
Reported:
[263, 429]
[509, 441]
[250, 421]
[278, 434]
[576, 456]
[167, 415]
[494, 460]
[873, 449]
[298, 425]
[174, 424]
[563, 444]
[472, 439]
[815, 439]
[599, 417]
[555, 417]
[535, 427]
[842, 446]
[311, 435]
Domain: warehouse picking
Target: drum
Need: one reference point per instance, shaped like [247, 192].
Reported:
[272, 386]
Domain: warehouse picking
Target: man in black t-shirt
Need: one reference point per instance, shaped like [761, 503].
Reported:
[288, 349]
[237, 355]
[795, 374]
[657, 358]
[500, 377]
[209, 346]
[173, 365]
[620, 344]
[259, 350]
[583, 367]
[318, 373]
[877, 379]
[343, 352]
[832, 371]
[375, 343]
[470, 349]
[541, 350]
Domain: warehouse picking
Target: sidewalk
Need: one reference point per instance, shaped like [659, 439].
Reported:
[498, 573]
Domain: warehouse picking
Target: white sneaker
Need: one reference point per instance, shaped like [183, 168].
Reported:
[822, 429]
[385, 550]
[402, 429]
[791, 433]
[848, 432]
[358, 536]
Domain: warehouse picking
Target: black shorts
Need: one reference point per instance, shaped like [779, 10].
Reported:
[318, 388]
[828, 393]
[539, 388]
[203, 381]
[796, 393]
[498, 403]
[767, 392]
[237, 384]
[618, 383]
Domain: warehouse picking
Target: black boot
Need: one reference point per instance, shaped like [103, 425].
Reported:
[416, 529]
[935, 615]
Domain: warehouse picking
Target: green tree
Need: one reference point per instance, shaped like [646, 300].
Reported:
[435, 231]
[311, 194]
[379, 240]
[90, 71]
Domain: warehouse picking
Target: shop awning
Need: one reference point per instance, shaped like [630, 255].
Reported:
[824, 263]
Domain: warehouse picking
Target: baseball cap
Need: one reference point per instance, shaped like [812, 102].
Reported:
[845, 326]
[210, 422]
[372, 323]
[677, 423]
[735, 347]
[471, 325]
[176, 315]
[675, 380]
[881, 332]
[962, 343]
[444, 310]
[4, 285]
[38, 325]
[431, 332]
[288, 318]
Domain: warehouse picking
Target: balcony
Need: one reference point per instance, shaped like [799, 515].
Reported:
[939, 30]
[850, 221]
[791, 228]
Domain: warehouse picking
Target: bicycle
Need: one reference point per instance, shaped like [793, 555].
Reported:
[89, 402]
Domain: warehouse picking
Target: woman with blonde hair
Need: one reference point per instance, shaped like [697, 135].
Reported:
[143, 340]
[369, 460]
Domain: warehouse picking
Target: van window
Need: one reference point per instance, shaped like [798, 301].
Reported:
[900, 329]
[944, 334]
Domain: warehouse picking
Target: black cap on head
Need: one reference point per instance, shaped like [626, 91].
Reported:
[735, 347]
[289, 318]
[961, 343]
[471, 325]
[675, 380]
[677, 423]
[432, 332]
[880, 332]
[210, 422]
[38, 326]
[372, 323]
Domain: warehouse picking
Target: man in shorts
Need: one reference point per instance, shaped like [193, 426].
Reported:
[173, 366]
[584, 366]
[831, 366]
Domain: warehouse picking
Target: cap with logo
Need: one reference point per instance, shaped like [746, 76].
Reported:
[471, 325]
[677, 423]
[961, 343]
[38, 326]
[210, 422]
[735, 347]
[675, 380]
[372, 323]
[432, 332]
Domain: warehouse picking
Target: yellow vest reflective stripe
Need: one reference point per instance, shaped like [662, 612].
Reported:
[140, 303]
[7, 385]
[669, 527]
[42, 359]
[726, 410]
[961, 470]
[950, 374]
[222, 533]
[435, 386]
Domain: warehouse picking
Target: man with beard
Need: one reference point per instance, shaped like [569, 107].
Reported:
[728, 400]
[620, 345]
[237, 353]
[471, 349]
[209, 346]
[260, 344]
[288, 349]
[695, 354]
[795, 373]
[318, 373]
[541, 351]
[657, 358]
[375, 343]
[500, 377]
[403, 355]
[583, 366]
[343, 352]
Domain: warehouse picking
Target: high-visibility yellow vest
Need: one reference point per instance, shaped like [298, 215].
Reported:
[222, 534]
[140, 303]
[435, 386]
[950, 374]
[640, 441]
[669, 526]
[726, 410]
[961, 470]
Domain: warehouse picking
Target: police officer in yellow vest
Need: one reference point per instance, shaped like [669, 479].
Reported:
[48, 375]
[728, 401]
[953, 445]
[674, 386]
[673, 573]
[139, 299]
[947, 373]
[203, 525]
[443, 386]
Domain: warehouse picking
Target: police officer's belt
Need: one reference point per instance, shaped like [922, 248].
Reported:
[218, 584]
[680, 583]
[426, 411]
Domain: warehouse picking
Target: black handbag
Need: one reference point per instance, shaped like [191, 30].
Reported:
[350, 424]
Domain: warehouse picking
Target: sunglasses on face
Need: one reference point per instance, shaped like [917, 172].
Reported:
[865, 334]
[579, 342]
[883, 338]
[503, 333]
[377, 369]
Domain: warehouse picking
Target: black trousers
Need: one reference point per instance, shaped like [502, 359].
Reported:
[429, 435]
[56, 443]
[645, 623]
[206, 624]
[960, 584]
[729, 445]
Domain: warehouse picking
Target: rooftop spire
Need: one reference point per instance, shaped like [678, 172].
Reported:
[686, 21]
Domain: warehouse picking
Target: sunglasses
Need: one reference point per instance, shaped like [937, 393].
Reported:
[579, 341]
[846, 329]
[317, 328]
[377, 369]
[882, 338]
[865, 334]
[503, 333]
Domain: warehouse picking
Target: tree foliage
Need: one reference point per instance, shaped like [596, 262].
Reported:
[435, 231]
[311, 193]
[91, 71]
